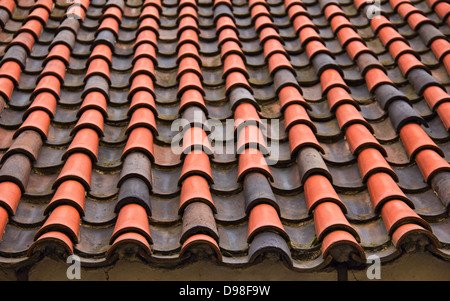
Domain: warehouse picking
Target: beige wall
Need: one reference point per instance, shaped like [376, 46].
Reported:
[419, 266]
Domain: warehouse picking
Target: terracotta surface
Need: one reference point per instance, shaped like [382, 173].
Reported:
[333, 144]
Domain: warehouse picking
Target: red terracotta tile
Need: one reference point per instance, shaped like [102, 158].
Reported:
[328, 217]
[147, 36]
[186, 23]
[337, 238]
[231, 47]
[296, 114]
[8, 5]
[338, 22]
[156, 3]
[126, 239]
[308, 34]
[56, 68]
[383, 188]
[11, 70]
[184, 3]
[6, 87]
[33, 27]
[269, 33]
[388, 35]
[315, 47]
[252, 160]
[60, 52]
[47, 4]
[430, 163]
[252, 3]
[196, 163]
[94, 100]
[109, 24]
[146, 50]
[264, 217]
[356, 48]
[302, 21]
[192, 97]
[291, 95]
[434, 96]
[375, 77]
[226, 2]
[347, 114]
[402, 233]
[226, 35]
[69, 193]
[48, 83]
[98, 67]
[443, 111]
[236, 79]
[196, 138]
[38, 121]
[333, 10]
[406, 9]
[112, 12]
[10, 195]
[52, 237]
[85, 141]
[149, 12]
[442, 9]
[371, 161]
[23, 39]
[101, 51]
[318, 189]
[195, 189]
[359, 138]
[398, 48]
[246, 113]
[201, 239]
[259, 10]
[189, 80]
[396, 213]
[301, 135]
[415, 139]
[3, 221]
[189, 36]
[64, 219]
[234, 63]
[142, 99]
[90, 119]
[132, 218]
[347, 34]
[141, 82]
[140, 139]
[396, 3]
[77, 167]
[262, 22]
[187, 11]
[440, 47]
[416, 20]
[143, 117]
[73, 10]
[189, 64]
[273, 46]
[337, 96]
[188, 50]
[408, 62]
[289, 4]
[331, 78]
[251, 136]
[149, 24]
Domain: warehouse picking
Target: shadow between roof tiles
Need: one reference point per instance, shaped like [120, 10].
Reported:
[88, 105]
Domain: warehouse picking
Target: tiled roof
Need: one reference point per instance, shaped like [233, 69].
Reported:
[148, 129]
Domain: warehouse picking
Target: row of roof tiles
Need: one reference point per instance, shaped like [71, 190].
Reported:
[338, 238]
